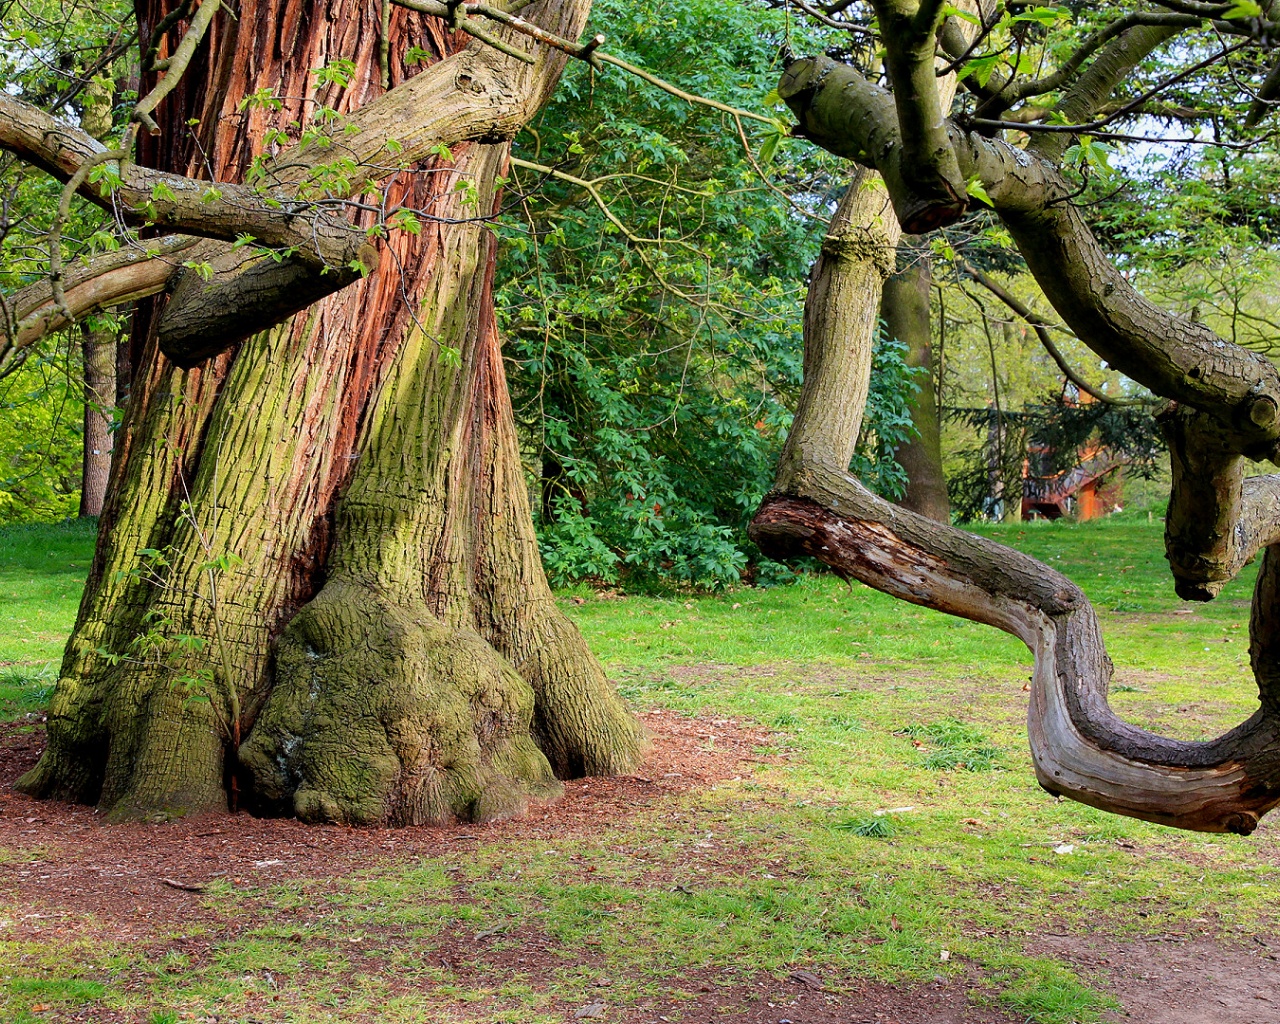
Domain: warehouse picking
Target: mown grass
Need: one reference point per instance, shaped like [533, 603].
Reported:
[42, 572]
[893, 816]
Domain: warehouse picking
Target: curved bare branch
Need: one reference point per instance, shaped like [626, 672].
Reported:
[1080, 748]
[1172, 356]
[1217, 519]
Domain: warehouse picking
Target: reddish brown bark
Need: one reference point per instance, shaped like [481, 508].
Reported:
[246, 455]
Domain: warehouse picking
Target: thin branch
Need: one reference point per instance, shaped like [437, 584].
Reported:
[176, 65]
[1127, 108]
[1041, 327]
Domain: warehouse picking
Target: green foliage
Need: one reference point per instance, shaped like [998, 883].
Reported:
[868, 826]
[950, 745]
[887, 419]
[41, 412]
[654, 373]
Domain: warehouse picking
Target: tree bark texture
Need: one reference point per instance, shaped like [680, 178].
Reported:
[321, 487]
[1227, 408]
[904, 307]
[98, 351]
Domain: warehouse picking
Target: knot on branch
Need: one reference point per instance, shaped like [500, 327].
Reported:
[861, 247]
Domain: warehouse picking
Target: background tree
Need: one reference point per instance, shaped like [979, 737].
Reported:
[905, 304]
[66, 59]
[649, 284]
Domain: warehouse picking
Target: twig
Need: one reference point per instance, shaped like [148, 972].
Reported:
[1041, 327]
[184, 886]
[64, 211]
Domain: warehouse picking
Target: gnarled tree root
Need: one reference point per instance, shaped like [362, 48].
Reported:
[383, 715]
[1079, 746]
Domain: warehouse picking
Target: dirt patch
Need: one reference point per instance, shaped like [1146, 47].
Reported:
[74, 875]
[1176, 981]
[69, 875]
[63, 859]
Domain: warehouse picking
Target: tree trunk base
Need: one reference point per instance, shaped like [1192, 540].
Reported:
[382, 715]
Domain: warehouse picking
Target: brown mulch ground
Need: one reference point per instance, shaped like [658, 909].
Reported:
[105, 870]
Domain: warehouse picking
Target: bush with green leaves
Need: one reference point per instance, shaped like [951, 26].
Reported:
[654, 318]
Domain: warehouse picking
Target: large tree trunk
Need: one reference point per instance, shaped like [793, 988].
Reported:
[904, 306]
[422, 668]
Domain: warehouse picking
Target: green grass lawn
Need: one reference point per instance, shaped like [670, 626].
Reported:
[869, 704]
[42, 571]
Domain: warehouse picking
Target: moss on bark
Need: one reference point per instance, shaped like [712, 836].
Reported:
[418, 684]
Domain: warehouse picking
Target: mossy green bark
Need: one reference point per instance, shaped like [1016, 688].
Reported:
[432, 675]
[435, 533]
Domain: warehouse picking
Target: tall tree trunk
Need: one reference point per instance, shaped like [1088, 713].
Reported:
[422, 668]
[98, 348]
[904, 306]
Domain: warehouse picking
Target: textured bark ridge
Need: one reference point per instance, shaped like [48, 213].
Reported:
[410, 688]
[421, 659]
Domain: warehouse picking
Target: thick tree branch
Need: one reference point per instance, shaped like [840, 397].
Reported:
[927, 163]
[478, 94]
[1170, 355]
[146, 196]
[1080, 748]
[108, 280]
[1218, 520]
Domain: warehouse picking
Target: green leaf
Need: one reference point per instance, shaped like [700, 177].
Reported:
[1243, 9]
[976, 189]
[951, 11]
[338, 72]
[406, 220]
[769, 148]
[981, 68]
[201, 267]
[1044, 15]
